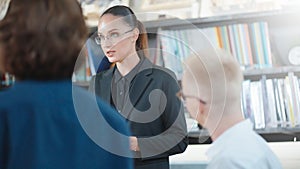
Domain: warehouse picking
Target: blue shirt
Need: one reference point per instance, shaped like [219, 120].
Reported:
[40, 129]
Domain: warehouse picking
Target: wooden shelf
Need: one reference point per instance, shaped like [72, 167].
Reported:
[273, 72]
[176, 23]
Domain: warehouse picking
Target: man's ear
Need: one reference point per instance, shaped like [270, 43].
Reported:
[202, 110]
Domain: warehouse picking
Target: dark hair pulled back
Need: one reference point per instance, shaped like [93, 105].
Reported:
[130, 18]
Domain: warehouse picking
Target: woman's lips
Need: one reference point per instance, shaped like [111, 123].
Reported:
[110, 53]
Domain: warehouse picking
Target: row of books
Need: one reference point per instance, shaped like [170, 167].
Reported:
[248, 43]
[82, 70]
[272, 103]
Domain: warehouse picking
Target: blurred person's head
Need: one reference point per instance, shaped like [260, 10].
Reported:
[41, 39]
[120, 34]
[212, 86]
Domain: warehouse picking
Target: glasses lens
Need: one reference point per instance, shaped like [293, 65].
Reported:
[98, 40]
[113, 37]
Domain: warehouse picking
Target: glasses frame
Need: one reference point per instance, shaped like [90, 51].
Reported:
[180, 95]
[99, 41]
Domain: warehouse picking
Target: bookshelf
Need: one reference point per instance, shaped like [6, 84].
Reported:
[176, 24]
[280, 26]
[277, 72]
[280, 134]
[283, 30]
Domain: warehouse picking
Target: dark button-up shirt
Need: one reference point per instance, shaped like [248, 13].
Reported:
[121, 84]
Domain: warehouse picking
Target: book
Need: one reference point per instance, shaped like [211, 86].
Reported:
[257, 104]
[272, 104]
[266, 44]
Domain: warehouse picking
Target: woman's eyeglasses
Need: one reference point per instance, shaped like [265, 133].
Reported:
[182, 96]
[112, 37]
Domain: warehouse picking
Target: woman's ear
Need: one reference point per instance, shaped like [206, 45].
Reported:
[136, 34]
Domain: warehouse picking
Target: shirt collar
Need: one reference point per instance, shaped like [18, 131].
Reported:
[218, 145]
[129, 76]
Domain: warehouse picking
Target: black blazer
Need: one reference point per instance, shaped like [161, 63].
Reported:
[155, 114]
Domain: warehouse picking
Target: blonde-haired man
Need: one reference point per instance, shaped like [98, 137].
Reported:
[211, 87]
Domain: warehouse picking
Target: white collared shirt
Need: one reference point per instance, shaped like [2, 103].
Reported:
[242, 148]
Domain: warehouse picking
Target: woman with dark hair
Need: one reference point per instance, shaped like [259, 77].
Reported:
[142, 42]
[143, 93]
[39, 128]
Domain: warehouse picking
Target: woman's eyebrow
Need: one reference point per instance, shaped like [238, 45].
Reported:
[115, 29]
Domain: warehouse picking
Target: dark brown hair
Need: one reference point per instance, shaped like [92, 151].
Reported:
[41, 39]
[130, 18]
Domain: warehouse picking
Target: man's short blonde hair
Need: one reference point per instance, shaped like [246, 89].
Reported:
[216, 75]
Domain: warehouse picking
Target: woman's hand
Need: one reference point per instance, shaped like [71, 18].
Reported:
[134, 144]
